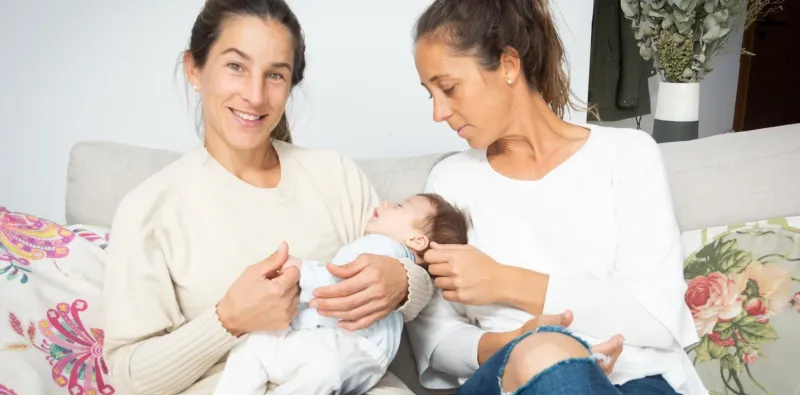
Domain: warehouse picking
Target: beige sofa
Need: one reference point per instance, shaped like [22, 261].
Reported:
[721, 180]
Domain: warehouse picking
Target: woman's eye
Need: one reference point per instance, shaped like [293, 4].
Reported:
[448, 91]
[275, 76]
[235, 67]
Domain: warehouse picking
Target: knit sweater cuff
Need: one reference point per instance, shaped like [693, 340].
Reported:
[420, 290]
[172, 362]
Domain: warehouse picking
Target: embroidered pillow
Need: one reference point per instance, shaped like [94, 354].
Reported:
[50, 284]
[744, 294]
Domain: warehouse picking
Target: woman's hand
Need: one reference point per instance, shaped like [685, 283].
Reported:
[464, 273]
[263, 297]
[372, 286]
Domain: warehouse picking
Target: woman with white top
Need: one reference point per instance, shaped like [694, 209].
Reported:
[564, 218]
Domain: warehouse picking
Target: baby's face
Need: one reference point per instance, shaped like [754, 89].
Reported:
[402, 221]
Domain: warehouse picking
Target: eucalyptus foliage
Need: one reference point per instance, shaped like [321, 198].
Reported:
[682, 36]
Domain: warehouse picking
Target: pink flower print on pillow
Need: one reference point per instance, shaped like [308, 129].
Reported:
[26, 238]
[76, 353]
[713, 298]
[6, 391]
[33, 238]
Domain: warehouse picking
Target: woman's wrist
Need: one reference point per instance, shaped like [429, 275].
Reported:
[227, 319]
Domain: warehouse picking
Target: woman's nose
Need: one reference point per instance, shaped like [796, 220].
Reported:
[441, 111]
[255, 92]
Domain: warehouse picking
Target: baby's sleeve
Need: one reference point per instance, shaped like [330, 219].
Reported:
[370, 244]
[314, 275]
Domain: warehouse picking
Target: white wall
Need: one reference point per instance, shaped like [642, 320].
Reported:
[104, 70]
[717, 93]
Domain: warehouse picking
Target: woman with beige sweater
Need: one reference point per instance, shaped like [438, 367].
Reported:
[193, 261]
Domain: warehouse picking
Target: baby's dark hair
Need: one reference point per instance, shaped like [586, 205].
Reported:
[448, 224]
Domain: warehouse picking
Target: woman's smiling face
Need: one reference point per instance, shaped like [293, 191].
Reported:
[245, 82]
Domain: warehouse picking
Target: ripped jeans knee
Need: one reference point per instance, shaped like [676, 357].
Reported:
[550, 366]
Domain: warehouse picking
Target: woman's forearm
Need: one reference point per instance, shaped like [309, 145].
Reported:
[170, 363]
[522, 288]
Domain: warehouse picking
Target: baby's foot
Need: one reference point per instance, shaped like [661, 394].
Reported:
[608, 352]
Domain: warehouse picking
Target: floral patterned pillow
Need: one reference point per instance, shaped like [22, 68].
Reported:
[50, 286]
[744, 294]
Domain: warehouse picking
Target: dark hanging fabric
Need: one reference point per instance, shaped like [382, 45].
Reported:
[618, 74]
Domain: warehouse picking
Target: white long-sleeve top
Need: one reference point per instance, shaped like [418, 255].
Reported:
[602, 226]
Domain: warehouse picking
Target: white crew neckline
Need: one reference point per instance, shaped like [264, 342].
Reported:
[564, 166]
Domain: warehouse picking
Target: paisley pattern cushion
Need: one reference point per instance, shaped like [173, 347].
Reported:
[50, 285]
[744, 294]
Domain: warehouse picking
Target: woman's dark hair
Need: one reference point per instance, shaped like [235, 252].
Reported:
[487, 28]
[207, 28]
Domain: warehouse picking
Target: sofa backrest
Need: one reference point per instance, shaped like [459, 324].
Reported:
[101, 173]
[735, 177]
[724, 179]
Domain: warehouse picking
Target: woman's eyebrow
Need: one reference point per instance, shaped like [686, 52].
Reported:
[275, 65]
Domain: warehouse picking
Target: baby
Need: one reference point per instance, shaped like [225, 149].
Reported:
[314, 356]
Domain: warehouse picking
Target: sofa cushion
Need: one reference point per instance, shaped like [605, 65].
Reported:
[744, 294]
[51, 282]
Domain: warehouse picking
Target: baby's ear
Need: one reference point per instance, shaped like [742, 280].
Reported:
[418, 243]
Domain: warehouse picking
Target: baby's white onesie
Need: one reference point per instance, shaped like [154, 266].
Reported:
[314, 356]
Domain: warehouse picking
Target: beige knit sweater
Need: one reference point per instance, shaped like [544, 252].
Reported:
[182, 237]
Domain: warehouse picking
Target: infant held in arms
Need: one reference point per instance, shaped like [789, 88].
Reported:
[314, 356]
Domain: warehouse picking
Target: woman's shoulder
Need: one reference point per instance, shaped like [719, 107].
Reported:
[326, 169]
[160, 189]
[628, 150]
[457, 164]
[320, 161]
[623, 140]
[453, 174]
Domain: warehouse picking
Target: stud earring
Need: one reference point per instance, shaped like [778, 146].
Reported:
[509, 82]
[196, 89]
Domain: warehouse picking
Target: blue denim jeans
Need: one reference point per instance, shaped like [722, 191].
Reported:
[576, 376]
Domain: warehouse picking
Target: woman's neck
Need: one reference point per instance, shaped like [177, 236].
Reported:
[535, 131]
[259, 166]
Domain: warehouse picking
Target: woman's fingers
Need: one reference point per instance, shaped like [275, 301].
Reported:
[269, 267]
[348, 270]
[288, 279]
[440, 269]
[433, 256]
[337, 305]
[344, 288]
[363, 323]
[451, 296]
[356, 313]
[446, 283]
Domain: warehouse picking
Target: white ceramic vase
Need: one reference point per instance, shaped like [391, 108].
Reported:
[677, 115]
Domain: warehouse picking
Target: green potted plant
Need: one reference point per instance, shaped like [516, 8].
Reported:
[682, 37]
